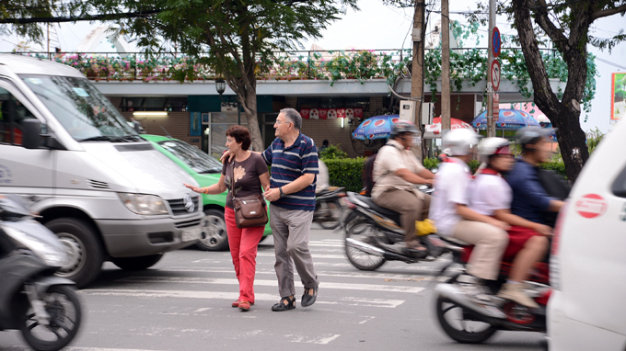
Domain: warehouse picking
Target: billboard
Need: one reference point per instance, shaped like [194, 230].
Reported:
[618, 96]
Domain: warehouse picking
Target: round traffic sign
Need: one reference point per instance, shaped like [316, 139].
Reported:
[496, 42]
[495, 75]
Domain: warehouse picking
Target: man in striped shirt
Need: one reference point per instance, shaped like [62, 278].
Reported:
[293, 158]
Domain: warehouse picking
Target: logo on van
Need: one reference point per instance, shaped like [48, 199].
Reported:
[189, 205]
[5, 175]
[591, 206]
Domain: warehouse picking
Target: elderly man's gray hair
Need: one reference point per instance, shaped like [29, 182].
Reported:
[294, 116]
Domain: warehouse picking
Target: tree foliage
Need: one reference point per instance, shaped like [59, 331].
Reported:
[236, 38]
[565, 25]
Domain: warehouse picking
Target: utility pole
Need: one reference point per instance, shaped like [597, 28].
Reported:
[491, 126]
[417, 66]
[445, 67]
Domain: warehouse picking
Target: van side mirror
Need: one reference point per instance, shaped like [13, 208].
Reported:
[31, 133]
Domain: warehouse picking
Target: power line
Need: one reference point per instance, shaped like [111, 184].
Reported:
[610, 63]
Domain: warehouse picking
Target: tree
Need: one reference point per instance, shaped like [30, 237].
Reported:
[237, 38]
[567, 24]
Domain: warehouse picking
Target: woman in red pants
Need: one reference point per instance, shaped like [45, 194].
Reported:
[247, 171]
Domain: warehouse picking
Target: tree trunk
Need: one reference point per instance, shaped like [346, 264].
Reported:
[250, 108]
[565, 114]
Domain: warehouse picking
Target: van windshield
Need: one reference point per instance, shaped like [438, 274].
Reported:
[78, 105]
[192, 156]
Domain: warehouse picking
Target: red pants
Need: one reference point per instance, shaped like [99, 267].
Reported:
[243, 247]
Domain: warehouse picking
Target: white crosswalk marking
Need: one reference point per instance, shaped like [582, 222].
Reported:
[261, 282]
[209, 295]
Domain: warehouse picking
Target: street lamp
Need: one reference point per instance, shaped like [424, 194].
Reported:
[220, 86]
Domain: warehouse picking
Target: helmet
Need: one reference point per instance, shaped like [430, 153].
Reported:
[459, 142]
[402, 127]
[532, 134]
[492, 146]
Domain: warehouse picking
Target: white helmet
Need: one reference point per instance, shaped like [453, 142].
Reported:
[459, 142]
[491, 146]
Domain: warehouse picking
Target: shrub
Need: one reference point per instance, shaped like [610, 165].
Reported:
[332, 152]
[346, 172]
[557, 166]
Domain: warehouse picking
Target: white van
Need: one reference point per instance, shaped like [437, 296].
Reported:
[587, 309]
[105, 191]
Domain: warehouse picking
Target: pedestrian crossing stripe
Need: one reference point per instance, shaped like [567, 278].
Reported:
[213, 295]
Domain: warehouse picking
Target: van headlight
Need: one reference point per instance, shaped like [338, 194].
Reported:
[144, 204]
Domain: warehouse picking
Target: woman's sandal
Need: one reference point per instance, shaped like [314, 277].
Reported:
[244, 306]
[285, 304]
[236, 303]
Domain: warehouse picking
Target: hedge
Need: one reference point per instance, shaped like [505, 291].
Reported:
[347, 172]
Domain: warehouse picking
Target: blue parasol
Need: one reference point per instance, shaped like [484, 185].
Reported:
[508, 119]
[376, 127]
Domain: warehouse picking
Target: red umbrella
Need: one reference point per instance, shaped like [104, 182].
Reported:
[455, 123]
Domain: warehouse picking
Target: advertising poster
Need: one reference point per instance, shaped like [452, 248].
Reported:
[195, 124]
[618, 96]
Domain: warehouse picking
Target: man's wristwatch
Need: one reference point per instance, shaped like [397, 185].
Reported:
[281, 191]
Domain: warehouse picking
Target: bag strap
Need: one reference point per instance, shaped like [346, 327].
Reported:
[232, 178]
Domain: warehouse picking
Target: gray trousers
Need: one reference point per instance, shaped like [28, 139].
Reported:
[290, 230]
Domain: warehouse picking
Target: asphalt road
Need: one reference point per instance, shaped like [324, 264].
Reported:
[183, 303]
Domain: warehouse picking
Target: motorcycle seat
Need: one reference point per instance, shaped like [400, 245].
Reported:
[391, 214]
[329, 192]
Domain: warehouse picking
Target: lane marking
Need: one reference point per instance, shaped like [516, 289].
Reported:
[367, 319]
[300, 339]
[210, 295]
[274, 283]
[408, 276]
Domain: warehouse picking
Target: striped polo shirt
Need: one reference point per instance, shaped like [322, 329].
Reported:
[288, 164]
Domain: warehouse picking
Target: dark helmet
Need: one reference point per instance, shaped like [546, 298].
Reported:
[532, 134]
[403, 127]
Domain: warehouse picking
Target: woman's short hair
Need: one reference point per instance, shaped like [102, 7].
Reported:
[241, 135]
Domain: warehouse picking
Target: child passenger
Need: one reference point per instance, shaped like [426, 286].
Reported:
[491, 195]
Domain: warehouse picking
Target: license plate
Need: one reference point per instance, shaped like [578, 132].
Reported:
[191, 234]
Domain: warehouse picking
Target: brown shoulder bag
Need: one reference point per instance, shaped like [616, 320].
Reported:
[250, 211]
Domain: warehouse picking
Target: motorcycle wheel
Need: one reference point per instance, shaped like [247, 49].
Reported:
[454, 320]
[334, 219]
[63, 306]
[361, 230]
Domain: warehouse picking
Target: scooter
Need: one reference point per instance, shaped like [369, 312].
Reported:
[373, 235]
[466, 322]
[328, 209]
[45, 308]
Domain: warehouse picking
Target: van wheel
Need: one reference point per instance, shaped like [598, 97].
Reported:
[214, 231]
[82, 247]
[136, 263]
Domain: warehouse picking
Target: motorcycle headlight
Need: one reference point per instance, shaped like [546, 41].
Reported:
[143, 204]
[52, 255]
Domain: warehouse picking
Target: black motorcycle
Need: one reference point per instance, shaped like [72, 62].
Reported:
[44, 307]
[373, 235]
[328, 208]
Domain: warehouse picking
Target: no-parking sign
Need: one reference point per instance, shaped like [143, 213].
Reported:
[496, 42]
[495, 75]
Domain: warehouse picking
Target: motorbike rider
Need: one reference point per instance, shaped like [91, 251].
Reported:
[454, 218]
[530, 199]
[396, 173]
[491, 195]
